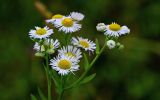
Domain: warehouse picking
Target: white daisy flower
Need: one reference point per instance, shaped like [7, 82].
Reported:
[40, 33]
[111, 44]
[77, 16]
[101, 27]
[116, 30]
[54, 18]
[67, 25]
[49, 46]
[64, 64]
[86, 44]
[71, 51]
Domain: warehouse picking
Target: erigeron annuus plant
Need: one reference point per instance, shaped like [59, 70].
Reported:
[63, 56]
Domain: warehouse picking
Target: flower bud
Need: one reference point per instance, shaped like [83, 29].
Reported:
[118, 44]
[111, 44]
[121, 47]
[39, 54]
[101, 27]
[50, 51]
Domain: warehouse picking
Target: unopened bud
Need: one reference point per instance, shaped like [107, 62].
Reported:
[111, 44]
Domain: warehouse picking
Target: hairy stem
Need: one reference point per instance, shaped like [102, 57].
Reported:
[90, 66]
[62, 88]
[48, 78]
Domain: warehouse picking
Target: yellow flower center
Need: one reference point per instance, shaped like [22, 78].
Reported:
[41, 31]
[114, 27]
[84, 43]
[57, 16]
[64, 64]
[67, 22]
[70, 54]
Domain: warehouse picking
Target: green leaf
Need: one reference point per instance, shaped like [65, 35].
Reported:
[45, 67]
[33, 97]
[41, 94]
[86, 62]
[53, 76]
[88, 78]
[56, 80]
[97, 46]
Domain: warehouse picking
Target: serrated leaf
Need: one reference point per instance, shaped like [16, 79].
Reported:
[88, 78]
[33, 97]
[41, 94]
[97, 46]
[86, 62]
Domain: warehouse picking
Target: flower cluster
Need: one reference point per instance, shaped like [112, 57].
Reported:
[112, 32]
[67, 24]
[68, 56]
[64, 53]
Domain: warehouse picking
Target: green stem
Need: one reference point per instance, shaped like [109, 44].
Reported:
[94, 60]
[90, 66]
[61, 95]
[48, 78]
[62, 88]
[69, 38]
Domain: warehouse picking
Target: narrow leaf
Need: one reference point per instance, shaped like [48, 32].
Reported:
[41, 94]
[88, 78]
[56, 80]
[97, 46]
[86, 62]
[33, 97]
[53, 75]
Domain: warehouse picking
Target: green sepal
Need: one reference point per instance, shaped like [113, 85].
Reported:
[97, 46]
[87, 79]
[33, 97]
[41, 94]
[86, 62]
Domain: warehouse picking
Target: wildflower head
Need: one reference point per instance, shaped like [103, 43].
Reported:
[70, 54]
[67, 22]
[41, 31]
[70, 51]
[77, 16]
[57, 16]
[67, 25]
[84, 43]
[115, 30]
[64, 64]
[114, 27]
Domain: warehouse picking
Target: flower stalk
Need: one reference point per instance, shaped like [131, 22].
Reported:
[62, 88]
[90, 66]
[48, 77]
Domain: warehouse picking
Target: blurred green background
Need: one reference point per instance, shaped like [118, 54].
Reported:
[130, 74]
